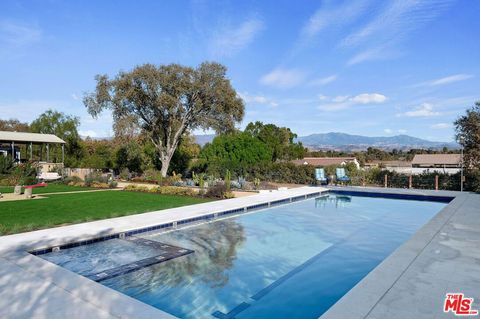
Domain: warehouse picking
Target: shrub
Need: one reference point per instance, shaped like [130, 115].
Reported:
[125, 174]
[6, 165]
[165, 190]
[217, 191]
[152, 175]
[235, 185]
[72, 180]
[283, 172]
[97, 178]
[23, 174]
[97, 184]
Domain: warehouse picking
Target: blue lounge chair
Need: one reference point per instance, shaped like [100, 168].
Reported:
[341, 176]
[320, 175]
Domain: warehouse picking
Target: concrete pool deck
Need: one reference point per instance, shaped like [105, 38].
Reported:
[443, 256]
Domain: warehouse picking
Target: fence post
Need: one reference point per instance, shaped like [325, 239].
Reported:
[436, 182]
[410, 181]
[386, 181]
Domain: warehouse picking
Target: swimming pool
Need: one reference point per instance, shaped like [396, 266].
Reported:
[290, 261]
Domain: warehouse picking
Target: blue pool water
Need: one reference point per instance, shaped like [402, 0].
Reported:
[292, 261]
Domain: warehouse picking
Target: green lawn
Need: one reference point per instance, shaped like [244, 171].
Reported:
[27, 215]
[51, 188]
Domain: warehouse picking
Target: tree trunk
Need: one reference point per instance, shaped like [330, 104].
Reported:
[165, 164]
[165, 158]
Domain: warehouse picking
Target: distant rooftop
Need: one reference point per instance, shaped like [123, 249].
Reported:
[24, 137]
[436, 159]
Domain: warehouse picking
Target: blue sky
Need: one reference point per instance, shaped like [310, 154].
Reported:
[358, 66]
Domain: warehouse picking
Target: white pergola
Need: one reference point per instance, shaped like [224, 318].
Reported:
[30, 139]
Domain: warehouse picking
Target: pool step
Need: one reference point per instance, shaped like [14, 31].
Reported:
[166, 252]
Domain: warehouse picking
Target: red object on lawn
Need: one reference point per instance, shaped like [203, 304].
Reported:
[37, 185]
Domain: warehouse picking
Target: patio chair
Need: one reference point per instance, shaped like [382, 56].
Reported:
[341, 176]
[320, 175]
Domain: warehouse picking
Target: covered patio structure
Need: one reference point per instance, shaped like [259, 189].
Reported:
[20, 147]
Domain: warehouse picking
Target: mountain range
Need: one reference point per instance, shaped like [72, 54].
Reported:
[349, 142]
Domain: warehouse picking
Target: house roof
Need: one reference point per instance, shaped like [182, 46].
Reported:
[323, 161]
[23, 137]
[436, 159]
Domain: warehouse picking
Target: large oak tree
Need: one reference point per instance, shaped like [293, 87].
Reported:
[467, 128]
[168, 101]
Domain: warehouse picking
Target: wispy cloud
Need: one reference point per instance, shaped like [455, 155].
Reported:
[388, 131]
[333, 15]
[402, 131]
[323, 81]
[16, 38]
[424, 110]
[257, 99]
[447, 80]
[345, 101]
[228, 40]
[441, 126]
[283, 78]
[392, 25]
[384, 51]
[397, 19]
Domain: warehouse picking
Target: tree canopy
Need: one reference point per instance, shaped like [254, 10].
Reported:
[14, 125]
[235, 152]
[467, 129]
[280, 140]
[63, 126]
[167, 101]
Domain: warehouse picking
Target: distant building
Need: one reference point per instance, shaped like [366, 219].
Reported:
[19, 146]
[326, 161]
[402, 167]
[442, 163]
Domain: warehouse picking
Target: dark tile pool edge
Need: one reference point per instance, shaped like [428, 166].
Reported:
[180, 222]
[393, 195]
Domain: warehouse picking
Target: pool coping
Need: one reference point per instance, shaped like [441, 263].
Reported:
[23, 270]
[104, 302]
[368, 298]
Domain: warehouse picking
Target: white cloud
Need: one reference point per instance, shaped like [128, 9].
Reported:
[283, 78]
[323, 81]
[441, 126]
[345, 101]
[447, 80]
[229, 40]
[340, 98]
[402, 131]
[369, 98]
[75, 97]
[424, 110]
[388, 131]
[88, 133]
[257, 99]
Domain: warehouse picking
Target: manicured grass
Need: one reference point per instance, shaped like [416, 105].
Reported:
[27, 215]
[51, 188]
